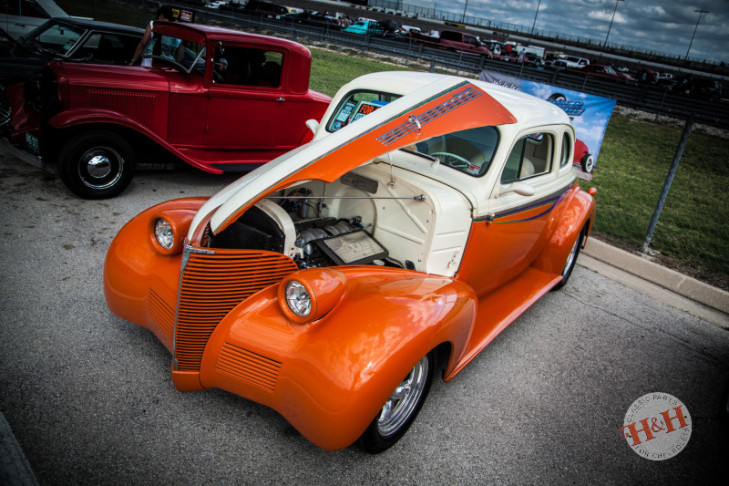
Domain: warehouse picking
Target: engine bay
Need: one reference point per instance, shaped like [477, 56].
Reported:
[376, 215]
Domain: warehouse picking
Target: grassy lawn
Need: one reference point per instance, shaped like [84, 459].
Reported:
[694, 225]
[693, 231]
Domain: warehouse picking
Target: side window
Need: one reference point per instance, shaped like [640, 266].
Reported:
[531, 156]
[566, 145]
[247, 66]
[108, 48]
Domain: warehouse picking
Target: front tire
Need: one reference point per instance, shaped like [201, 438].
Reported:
[399, 411]
[96, 165]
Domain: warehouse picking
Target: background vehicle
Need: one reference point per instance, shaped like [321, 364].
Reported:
[18, 17]
[312, 18]
[66, 39]
[571, 62]
[218, 99]
[606, 72]
[455, 41]
[336, 282]
[365, 27]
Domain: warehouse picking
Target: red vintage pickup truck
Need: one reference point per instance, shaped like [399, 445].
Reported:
[220, 100]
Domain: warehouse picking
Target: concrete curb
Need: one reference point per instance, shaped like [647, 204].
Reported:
[642, 267]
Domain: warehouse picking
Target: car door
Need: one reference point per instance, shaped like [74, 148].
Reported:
[246, 98]
[507, 240]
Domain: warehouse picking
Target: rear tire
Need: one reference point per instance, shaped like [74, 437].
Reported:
[96, 165]
[571, 259]
[587, 163]
[400, 410]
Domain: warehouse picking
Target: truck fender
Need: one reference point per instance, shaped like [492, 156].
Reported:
[93, 116]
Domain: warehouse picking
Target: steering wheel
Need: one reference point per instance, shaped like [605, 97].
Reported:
[455, 161]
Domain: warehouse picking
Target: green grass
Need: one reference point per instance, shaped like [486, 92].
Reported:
[330, 70]
[634, 160]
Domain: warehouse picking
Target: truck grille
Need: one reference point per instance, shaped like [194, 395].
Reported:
[211, 285]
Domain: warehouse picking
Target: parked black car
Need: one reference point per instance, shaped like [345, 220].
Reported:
[65, 39]
[312, 18]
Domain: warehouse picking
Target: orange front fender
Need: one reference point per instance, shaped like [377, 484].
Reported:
[330, 378]
[140, 281]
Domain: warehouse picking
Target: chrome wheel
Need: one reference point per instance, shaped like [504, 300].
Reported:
[569, 265]
[96, 165]
[401, 408]
[404, 400]
[571, 257]
[100, 168]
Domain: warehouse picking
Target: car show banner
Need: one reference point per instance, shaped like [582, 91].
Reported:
[589, 114]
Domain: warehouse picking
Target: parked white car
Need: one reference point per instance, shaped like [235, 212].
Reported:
[572, 62]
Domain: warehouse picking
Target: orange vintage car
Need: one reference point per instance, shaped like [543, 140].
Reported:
[333, 283]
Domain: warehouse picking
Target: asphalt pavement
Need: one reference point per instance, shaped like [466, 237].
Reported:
[87, 397]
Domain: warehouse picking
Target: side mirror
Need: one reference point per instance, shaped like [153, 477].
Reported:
[517, 187]
[312, 125]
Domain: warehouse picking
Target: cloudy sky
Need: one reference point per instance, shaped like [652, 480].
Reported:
[652, 25]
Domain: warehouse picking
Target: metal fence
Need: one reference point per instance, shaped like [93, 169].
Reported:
[650, 98]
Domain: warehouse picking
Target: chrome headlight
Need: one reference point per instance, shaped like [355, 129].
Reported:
[298, 298]
[309, 295]
[164, 234]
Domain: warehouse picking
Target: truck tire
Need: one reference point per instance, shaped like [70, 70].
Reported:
[96, 165]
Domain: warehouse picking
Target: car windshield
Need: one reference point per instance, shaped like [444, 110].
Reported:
[469, 151]
[609, 70]
[58, 38]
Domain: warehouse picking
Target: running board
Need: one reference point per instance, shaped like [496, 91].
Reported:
[502, 307]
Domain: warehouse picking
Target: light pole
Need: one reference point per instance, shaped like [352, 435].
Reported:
[611, 22]
[539, 2]
[700, 12]
[463, 19]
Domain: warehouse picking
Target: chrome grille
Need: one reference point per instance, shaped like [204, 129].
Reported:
[211, 285]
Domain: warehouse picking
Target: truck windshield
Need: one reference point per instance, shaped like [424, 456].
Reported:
[186, 55]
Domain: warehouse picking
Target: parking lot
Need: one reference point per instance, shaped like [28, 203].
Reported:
[90, 399]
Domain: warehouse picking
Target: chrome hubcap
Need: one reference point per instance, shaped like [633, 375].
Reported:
[403, 401]
[100, 168]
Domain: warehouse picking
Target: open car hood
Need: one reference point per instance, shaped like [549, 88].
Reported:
[445, 106]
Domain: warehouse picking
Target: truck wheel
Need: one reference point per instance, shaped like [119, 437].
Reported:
[96, 165]
[400, 410]
[587, 163]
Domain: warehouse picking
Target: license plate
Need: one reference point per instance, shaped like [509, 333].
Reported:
[31, 141]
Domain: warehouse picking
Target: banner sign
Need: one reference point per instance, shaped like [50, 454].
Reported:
[589, 114]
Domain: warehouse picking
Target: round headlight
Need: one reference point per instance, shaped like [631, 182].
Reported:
[298, 298]
[164, 234]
